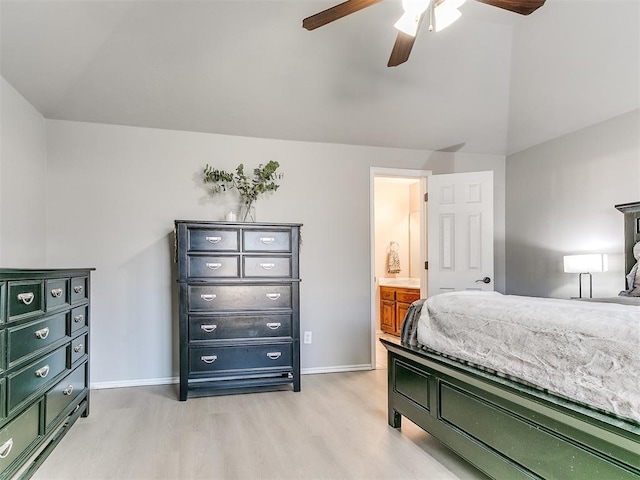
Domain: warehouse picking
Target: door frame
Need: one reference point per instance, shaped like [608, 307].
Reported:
[403, 173]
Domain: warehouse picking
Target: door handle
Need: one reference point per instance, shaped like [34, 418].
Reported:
[484, 280]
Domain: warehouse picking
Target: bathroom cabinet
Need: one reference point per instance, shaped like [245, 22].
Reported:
[394, 303]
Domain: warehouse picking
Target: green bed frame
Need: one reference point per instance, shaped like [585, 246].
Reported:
[507, 430]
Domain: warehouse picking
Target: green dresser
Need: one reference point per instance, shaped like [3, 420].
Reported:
[44, 363]
[239, 314]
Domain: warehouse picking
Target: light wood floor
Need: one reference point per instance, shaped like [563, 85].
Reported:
[335, 428]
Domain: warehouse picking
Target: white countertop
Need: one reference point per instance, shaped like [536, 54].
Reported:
[402, 282]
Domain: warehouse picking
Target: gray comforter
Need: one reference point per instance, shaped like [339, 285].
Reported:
[586, 352]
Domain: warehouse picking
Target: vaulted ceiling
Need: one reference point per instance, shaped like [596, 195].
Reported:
[494, 82]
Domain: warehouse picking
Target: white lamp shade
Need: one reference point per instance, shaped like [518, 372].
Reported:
[446, 13]
[588, 263]
[410, 19]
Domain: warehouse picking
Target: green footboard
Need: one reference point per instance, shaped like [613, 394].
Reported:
[507, 430]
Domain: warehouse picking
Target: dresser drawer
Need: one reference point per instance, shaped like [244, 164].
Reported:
[238, 297]
[3, 299]
[34, 336]
[56, 293]
[18, 436]
[245, 357]
[407, 296]
[36, 375]
[267, 267]
[24, 298]
[239, 326]
[266, 240]
[218, 239]
[3, 397]
[63, 394]
[78, 348]
[214, 266]
[78, 318]
[387, 293]
[3, 349]
[79, 287]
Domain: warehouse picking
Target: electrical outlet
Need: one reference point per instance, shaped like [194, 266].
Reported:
[307, 337]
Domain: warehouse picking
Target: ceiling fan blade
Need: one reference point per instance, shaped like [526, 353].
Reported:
[523, 7]
[402, 47]
[334, 13]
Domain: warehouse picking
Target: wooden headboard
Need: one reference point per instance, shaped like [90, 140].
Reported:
[631, 231]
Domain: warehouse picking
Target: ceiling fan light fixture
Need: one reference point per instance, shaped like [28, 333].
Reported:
[410, 20]
[447, 13]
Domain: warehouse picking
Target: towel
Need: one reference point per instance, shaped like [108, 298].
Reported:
[394, 259]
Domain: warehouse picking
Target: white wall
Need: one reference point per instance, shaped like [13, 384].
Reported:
[391, 208]
[129, 184]
[573, 64]
[23, 170]
[560, 200]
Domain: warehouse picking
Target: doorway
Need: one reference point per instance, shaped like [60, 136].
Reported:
[398, 249]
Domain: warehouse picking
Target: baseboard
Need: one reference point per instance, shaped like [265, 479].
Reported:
[340, 369]
[148, 382]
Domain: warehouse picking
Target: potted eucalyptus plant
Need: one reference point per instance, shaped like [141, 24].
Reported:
[265, 179]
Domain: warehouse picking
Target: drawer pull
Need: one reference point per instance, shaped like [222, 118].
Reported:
[42, 372]
[267, 240]
[78, 288]
[68, 390]
[267, 266]
[273, 296]
[274, 355]
[274, 326]
[26, 298]
[208, 297]
[213, 266]
[43, 333]
[209, 358]
[78, 348]
[213, 239]
[78, 318]
[56, 292]
[208, 328]
[6, 447]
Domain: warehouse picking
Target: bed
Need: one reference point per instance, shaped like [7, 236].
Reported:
[581, 424]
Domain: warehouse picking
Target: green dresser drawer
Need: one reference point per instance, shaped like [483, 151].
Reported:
[3, 396]
[78, 318]
[18, 436]
[78, 348]
[29, 338]
[3, 299]
[79, 289]
[25, 382]
[267, 241]
[56, 293]
[24, 298]
[63, 394]
[3, 349]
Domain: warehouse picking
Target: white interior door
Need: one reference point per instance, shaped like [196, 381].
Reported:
[460, 231]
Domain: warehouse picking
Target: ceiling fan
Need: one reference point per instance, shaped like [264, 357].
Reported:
[439, 13]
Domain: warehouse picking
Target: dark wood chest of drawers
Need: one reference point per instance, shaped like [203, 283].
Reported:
[239, 314]
[44, 363]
